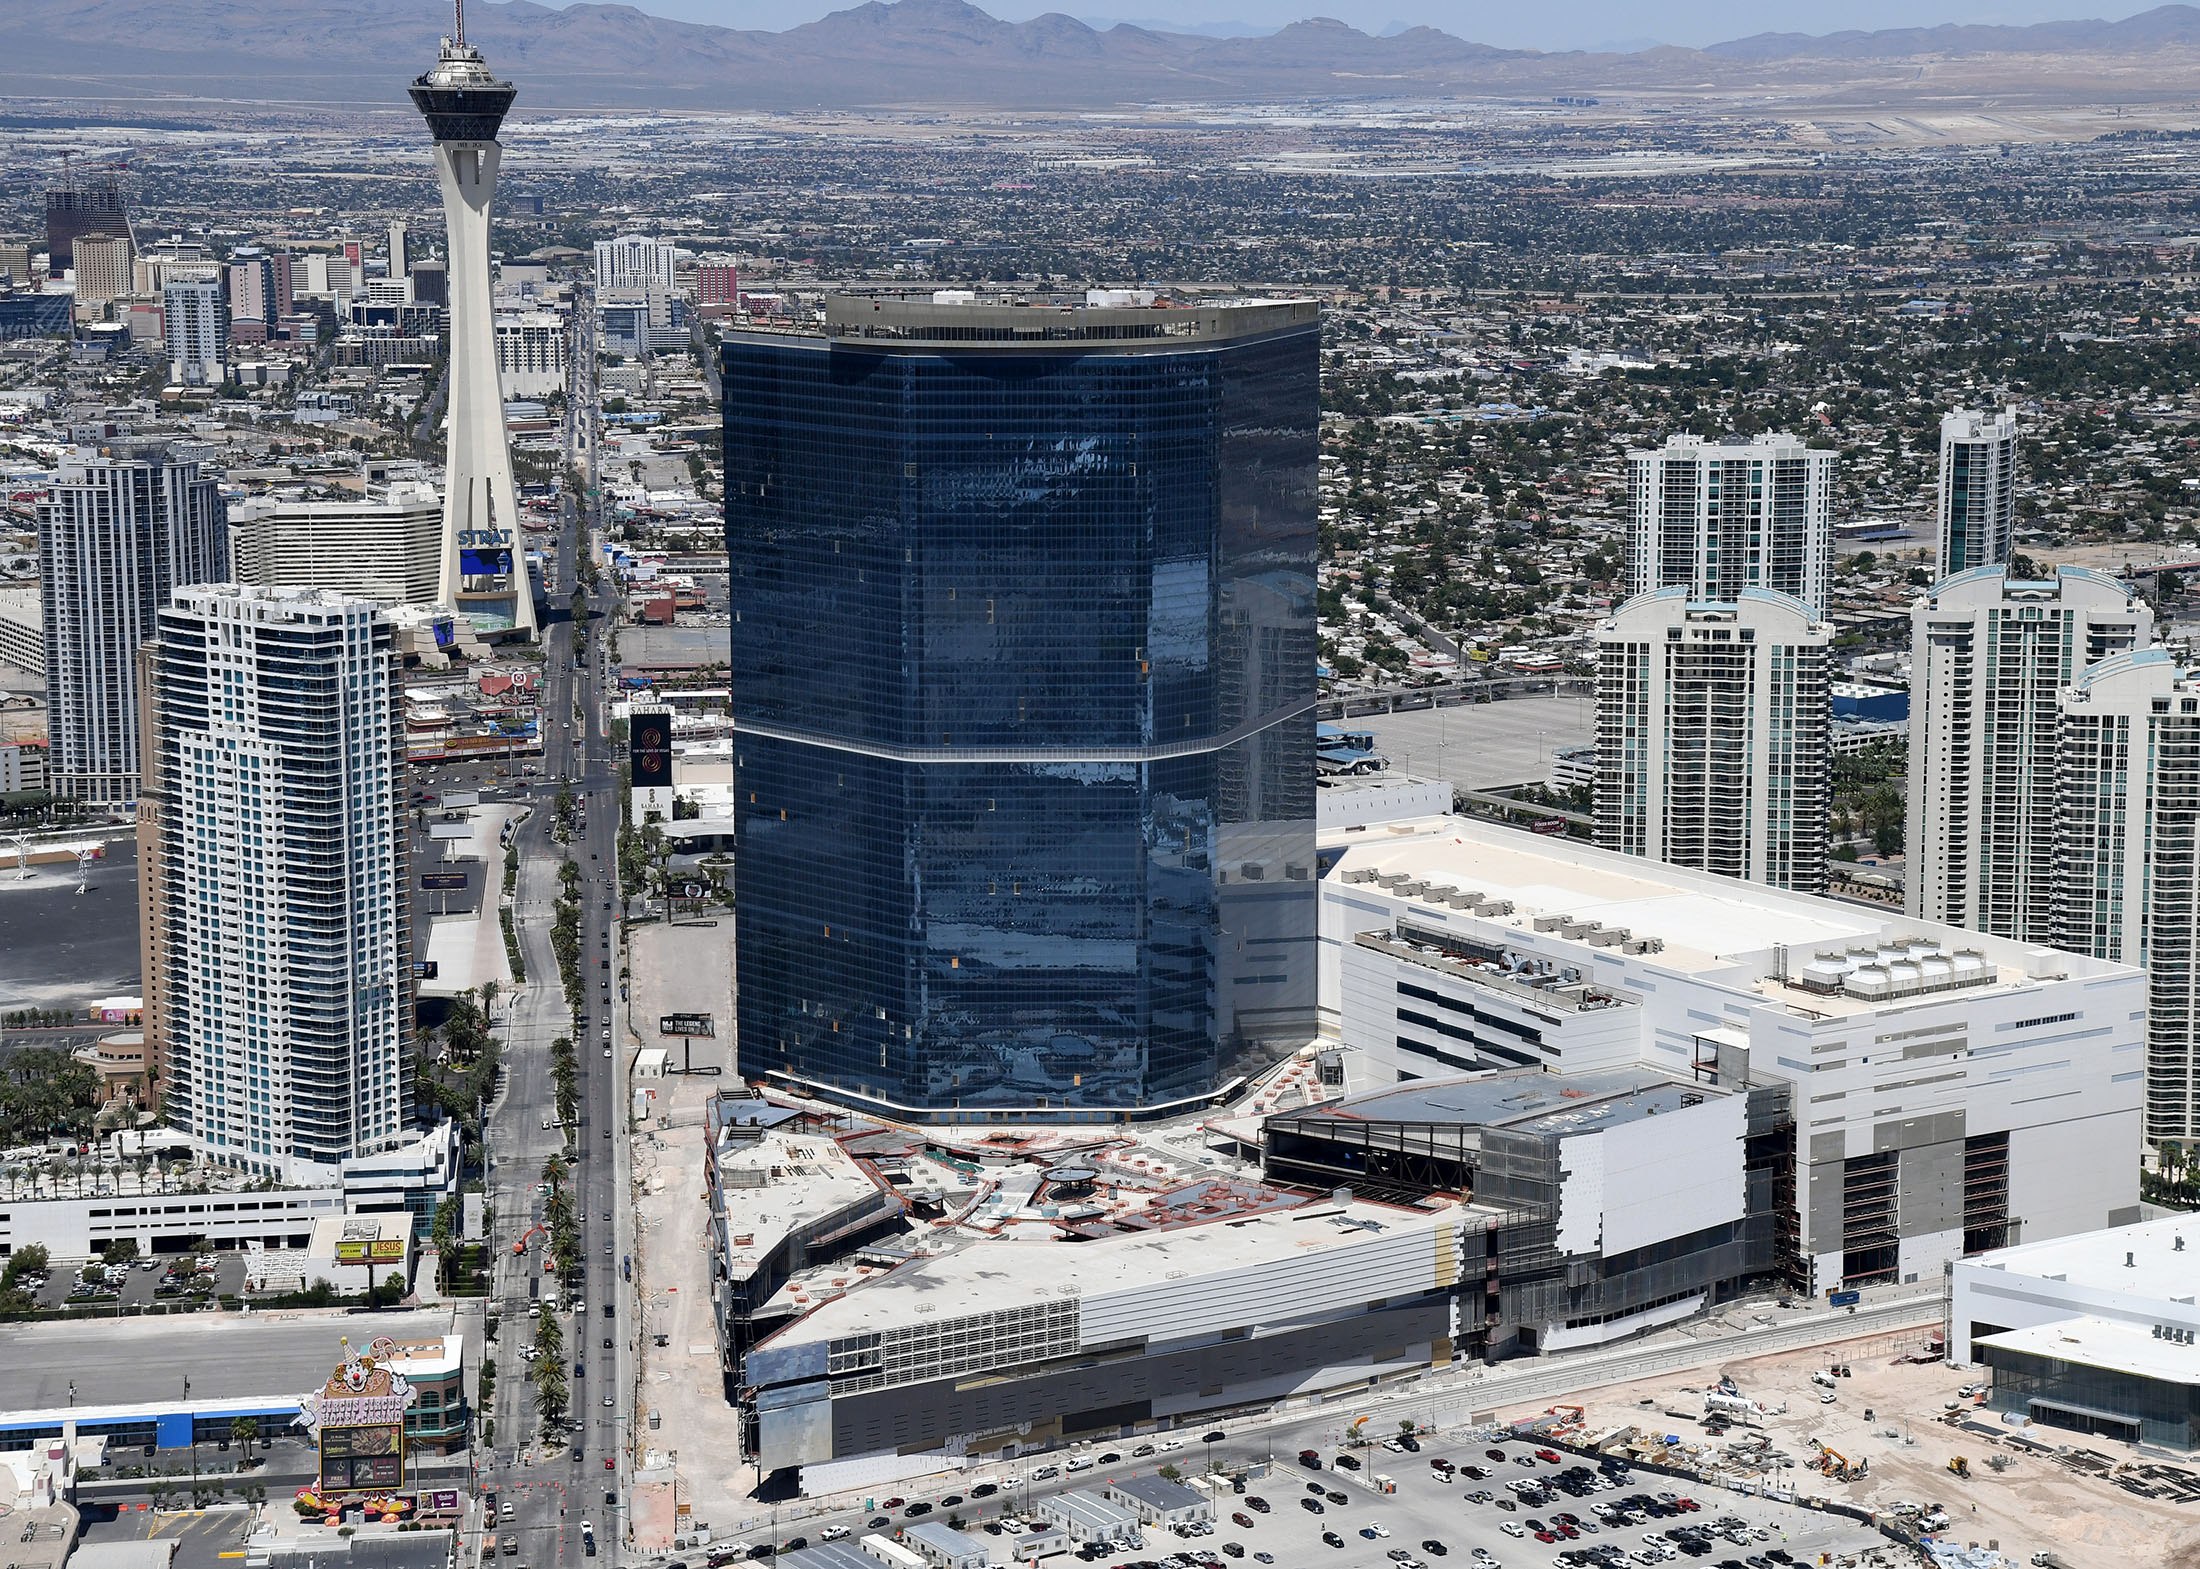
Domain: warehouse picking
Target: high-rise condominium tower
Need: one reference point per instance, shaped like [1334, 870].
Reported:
[1978, 489]
[1712, 744]
[635, 261]
[1023, 655]
[484, 565]
[280, 914]
[1716, 518]
[2129, 885]
[195, 322]
[1988, 657]
[122, 531]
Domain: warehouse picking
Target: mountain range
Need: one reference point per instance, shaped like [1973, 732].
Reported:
[951, 54]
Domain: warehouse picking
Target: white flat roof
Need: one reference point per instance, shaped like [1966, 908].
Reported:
[1708, 924]
[995, 1273]
[802, 1176]
[2107, 1344]
[2094, 1260]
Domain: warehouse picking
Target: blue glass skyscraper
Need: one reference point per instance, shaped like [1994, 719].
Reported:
[1023, 678]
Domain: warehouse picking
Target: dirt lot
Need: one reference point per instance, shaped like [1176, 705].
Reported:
[2035, 1502]
[681, 969]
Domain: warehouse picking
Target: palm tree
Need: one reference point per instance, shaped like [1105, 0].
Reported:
[244, 1432]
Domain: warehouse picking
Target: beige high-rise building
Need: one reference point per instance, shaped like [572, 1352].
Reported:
[1988, 656]
[2127, 885]
[103, 270]
[1713, 735]
[280, 910]
[386, 547]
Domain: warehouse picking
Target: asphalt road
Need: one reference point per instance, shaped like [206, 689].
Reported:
[225, 1355]
[551, 1491]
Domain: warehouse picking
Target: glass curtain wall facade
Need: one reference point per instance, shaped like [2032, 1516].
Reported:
[1023, 661]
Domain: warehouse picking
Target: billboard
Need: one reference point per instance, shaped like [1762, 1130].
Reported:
[686, 1024]
[374, 1250]
[358, 1421]
[449, 881]
[485, 563]
[649, 750]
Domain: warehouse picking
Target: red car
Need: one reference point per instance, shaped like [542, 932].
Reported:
[893, 1503]
[1568, 1532]
[1545, 1536]
[1686, 1506]
[1547, 1456]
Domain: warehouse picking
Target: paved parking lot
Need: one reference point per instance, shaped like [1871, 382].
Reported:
[204, 1538]
[1425, 1509]
[141, 1286]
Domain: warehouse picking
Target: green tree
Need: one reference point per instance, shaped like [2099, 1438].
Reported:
[244, 1432]
[443, 1232]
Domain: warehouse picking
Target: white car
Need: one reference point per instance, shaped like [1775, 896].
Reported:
[1512, 1528]
[1174, 1443]
[832, 1533]
[1378, 1528]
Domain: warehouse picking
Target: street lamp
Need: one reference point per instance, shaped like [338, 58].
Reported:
[191, 1417]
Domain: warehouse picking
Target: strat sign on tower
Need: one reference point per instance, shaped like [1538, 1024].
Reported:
[484, 575]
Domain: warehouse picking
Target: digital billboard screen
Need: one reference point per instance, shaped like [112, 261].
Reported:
[650, 751]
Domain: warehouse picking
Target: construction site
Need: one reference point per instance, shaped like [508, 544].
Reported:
[1887, 1426]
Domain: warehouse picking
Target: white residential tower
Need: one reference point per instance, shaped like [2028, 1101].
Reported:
[280, 913]
[1989, 656]
[1712, 740]
[1716, 518]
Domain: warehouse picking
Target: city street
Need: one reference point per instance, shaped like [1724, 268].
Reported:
[553, 1482]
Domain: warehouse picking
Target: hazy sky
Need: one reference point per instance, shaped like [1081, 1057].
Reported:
[1554, 24]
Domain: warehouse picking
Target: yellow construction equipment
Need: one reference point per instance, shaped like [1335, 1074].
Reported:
[1960, 1466]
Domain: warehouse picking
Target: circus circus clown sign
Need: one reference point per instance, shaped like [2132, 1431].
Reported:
[358, 1420]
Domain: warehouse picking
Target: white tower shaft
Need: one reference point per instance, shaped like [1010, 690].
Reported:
[480, 508]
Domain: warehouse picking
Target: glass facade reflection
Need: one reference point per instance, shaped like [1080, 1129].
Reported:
[2084, 1398]
[1023, 672]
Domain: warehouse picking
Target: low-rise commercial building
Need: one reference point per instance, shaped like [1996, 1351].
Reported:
[2101, 1377]
[2140, 1275]
[1091, 1518]
[945, 1547]
[1158, 1501]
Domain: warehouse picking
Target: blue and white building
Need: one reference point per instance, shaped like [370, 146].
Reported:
[277, 907]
